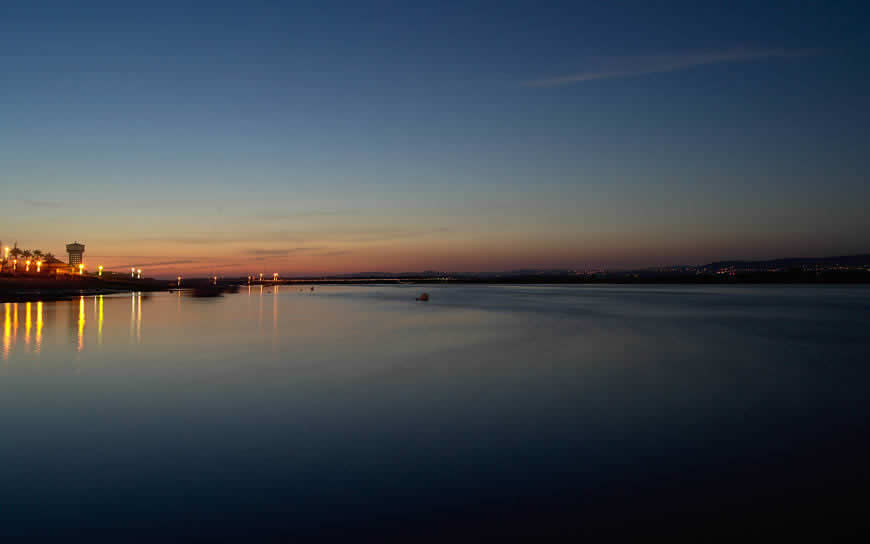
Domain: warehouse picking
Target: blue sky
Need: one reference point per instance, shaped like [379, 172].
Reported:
[346, 136]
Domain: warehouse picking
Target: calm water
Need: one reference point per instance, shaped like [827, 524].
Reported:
[358, 411]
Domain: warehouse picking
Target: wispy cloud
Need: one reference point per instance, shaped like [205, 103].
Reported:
[219, 238]
[621, 67]
[371, 234]
[162, 263]
[282, 252]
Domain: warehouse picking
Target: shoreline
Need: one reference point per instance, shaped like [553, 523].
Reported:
[18, 289]
[34, 289]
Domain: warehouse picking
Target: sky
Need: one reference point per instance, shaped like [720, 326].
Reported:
[337, 137]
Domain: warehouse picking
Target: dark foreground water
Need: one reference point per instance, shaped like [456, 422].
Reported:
[356, 412]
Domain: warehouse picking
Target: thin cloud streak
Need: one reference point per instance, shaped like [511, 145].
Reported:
[343, 234]
[162, 263]
[282, 252]
[622, 67]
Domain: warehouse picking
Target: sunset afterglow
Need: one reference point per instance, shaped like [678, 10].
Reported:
[231, 144]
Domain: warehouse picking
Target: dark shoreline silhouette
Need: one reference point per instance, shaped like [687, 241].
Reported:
[603, 279]
[854, 269]
[28, 289]
[17, 290]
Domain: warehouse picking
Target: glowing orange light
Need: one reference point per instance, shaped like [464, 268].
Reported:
[100, 269]
[81, 269]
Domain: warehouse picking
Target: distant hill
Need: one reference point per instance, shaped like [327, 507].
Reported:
[811, 264]
[793, 262]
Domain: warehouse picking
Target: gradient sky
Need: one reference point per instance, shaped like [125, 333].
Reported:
[330, 137]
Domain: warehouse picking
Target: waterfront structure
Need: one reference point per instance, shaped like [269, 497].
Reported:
[75, 251]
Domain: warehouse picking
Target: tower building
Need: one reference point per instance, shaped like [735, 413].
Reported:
[75, 250]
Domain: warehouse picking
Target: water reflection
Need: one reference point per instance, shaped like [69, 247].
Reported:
[139, 318]
[529, 392]
[260, 311]
[81, 325]
[38, 346]
[275, 335]
[136, 316]
[99, 322]
[275, 309]
[7, 330]
[27, 307]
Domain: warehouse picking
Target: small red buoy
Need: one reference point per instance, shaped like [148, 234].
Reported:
[423, 297]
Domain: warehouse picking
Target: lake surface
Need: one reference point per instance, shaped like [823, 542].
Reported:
[358, 411]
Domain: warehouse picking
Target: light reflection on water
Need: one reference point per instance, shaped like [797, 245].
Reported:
[27, 324]
[31, 322]
[100, 321]
[289, 401]
[81, 324]
[7, 331]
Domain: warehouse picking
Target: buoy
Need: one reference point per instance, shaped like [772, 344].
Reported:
[423, 297]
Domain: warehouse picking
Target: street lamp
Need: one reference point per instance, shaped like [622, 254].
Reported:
[100, 271]
[27, 265]
[139, 274]
[81, 269]
[133, 272]
[38, 266]
[275, 276]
